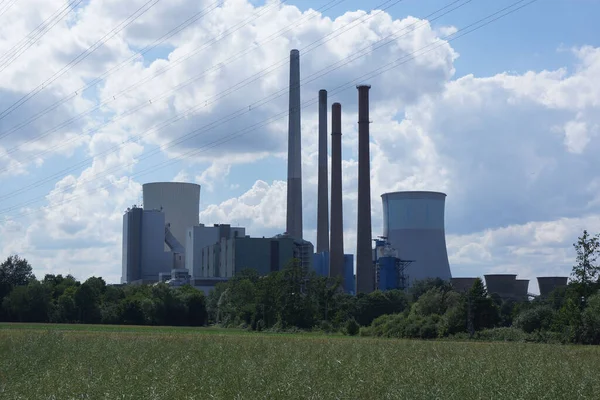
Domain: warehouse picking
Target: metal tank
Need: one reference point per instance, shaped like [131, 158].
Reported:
[462, 284]
[413, 223]
[501, 284]
[180, 202]
[548, 284]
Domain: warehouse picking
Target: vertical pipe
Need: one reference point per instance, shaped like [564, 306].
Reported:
[322, 194]
[336, 255]
[294, 178]
[365, 278]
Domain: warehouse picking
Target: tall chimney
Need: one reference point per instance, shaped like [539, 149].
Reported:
[322, 195]
[336, 255]
[365, 278]
[294, 178]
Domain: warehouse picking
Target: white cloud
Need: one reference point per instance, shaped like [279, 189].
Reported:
[514, 152]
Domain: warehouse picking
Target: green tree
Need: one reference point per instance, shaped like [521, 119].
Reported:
[586, 271]
[482, 312]
[87, 302]
[14, 271]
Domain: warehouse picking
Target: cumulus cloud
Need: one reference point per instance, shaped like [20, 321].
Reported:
[514, 152]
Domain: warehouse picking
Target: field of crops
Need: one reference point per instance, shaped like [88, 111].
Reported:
[100, 362]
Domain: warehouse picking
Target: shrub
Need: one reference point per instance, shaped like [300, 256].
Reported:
[535, 319]
[365, 331]
[503, 335]
[352, 327]
[324, 326]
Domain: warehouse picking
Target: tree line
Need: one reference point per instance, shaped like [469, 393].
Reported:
[298, 299]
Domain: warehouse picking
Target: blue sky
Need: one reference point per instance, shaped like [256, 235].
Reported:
[509, 136]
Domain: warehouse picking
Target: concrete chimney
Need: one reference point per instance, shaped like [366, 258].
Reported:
[294, 177]
[323, 194]
[365, 278]
[336, 255]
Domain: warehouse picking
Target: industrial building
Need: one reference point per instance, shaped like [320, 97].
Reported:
[229, 256]
[179, 201]
[145, 234]
[201, 236]
[413, 223]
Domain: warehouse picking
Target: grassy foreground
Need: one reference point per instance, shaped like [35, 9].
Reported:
[96, 362]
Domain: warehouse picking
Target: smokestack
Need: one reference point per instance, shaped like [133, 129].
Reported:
[322, 195]
[365, 278]
[294, 178]
[336, 255]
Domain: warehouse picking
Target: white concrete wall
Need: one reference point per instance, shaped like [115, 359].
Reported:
[179, 201]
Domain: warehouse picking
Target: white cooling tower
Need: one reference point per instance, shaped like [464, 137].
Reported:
[179, 201]
[413, 223]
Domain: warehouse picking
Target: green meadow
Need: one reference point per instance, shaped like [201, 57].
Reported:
[39, 361]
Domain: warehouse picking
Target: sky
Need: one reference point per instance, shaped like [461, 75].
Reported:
[110, 95]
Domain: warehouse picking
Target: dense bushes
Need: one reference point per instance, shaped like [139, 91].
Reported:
[61, 299]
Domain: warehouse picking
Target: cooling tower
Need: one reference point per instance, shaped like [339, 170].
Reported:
[501, 284]
[365, 277]
[521, 290]
[413, 223]
[322, 195]
[294, 177]
[336, 264]
[180, 203]
[462, 284]
[548, 284]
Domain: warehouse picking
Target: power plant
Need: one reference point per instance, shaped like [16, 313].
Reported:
[163, 240]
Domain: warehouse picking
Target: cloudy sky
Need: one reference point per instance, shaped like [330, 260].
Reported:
[98, 97]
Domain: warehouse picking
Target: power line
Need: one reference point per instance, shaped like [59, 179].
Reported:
[194, 18]
[394, 64]
[148, 102]
[356, 55]
[7, 7]
[128, 21]
[36, 34]
[173, 63]
[242, 84]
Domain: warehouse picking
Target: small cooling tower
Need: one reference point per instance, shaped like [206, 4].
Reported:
[548, 284]
[501, 284]
[413, 223]
[462, 284]
[521, 290]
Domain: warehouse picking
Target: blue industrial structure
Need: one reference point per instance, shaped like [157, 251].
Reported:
[320, 265]
[389, 268]
[349, 276]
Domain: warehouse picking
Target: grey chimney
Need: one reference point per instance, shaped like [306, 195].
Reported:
[294, 177]
[322, 194]
[336, 255]
[365, 277]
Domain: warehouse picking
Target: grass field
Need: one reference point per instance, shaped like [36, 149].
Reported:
[112, 362]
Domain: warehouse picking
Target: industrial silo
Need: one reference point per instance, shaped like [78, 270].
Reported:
[548, 284]
[413, 223]
[180, 202]
[501, 284]
[462, 284]
[521, 289]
